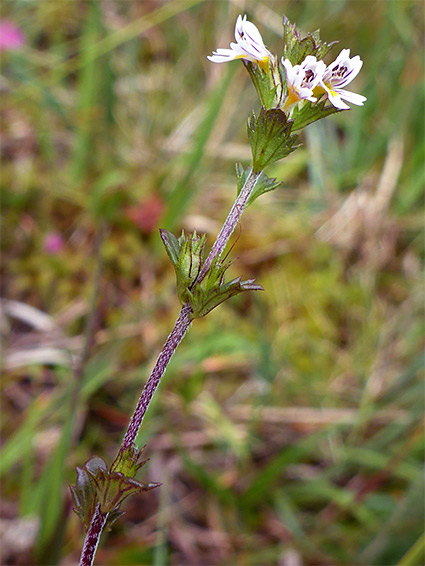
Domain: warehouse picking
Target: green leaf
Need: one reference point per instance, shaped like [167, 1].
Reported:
[84, 496]
[263, 184]
[84, 492]
[270, 137]
[205, 302]
[296, 49]
[96, 484]
[190, 262]
[112, 488]
[311, 112]
[269, 86]
[186, 254]
[213, 290]
[95, 463]
[172, 245]
[128, 461]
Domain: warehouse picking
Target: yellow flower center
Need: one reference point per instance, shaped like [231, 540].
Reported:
[264, 64]
[292, 98]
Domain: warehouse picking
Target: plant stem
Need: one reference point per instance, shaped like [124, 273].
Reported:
[184, 319]
[181, 326]
[230, 223]
[92, 537]
[173, 340]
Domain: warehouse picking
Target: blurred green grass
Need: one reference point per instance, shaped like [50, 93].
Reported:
[289, 426]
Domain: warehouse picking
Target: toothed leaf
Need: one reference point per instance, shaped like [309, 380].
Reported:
[263, 184]
[311, 112]
[268, 85]
[108, 487]
[171, 244]
[270, 137]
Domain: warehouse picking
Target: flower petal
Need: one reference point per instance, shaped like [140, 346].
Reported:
[244, 52]
[253, 34]
[249, 45]
[288, 65]
[352, 97]
[343, 70]
[308, 61]
[239, 27]
[336, 100]
[224, 55]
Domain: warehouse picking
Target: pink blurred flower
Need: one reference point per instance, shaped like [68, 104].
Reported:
[147, 213]
[11, 37]
[53, 243]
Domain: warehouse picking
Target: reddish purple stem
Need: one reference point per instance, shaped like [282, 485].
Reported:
[173, 340]
[182, 324]
[92, 537]
[230, 223]
[184, 319]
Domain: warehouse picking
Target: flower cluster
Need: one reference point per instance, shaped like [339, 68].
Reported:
[306, 81]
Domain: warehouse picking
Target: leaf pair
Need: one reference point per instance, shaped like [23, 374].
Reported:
[187, 256]
[96, 484]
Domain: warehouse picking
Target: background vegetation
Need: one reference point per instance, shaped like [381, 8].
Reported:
[289, 427]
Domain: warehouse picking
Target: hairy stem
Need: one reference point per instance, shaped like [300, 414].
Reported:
[230, 223]
[173, 340]
[182, 324]
[184, 320]
[92, 537]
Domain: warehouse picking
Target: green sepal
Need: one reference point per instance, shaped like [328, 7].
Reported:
[112, 517]
[309, 112]
[172, 245]
[96, 484]
[213, 290]
[263, 184]
[186, 254]
[269, 86]
[128, 461]
[84, 496]
[190, 262]
[296, 49]
[112, 488]
[95, 463]
[270, 137]
[203, 297]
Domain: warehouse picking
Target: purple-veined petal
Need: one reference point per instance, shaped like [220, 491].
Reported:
[343, 70]
[253, 34]
[249, 45]
[239, 27]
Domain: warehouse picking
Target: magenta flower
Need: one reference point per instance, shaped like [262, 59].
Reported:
[11, 37]
[53, 243]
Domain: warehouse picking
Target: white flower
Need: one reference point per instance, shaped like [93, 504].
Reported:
[337, 75]
[302, 79]
[249, 46]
